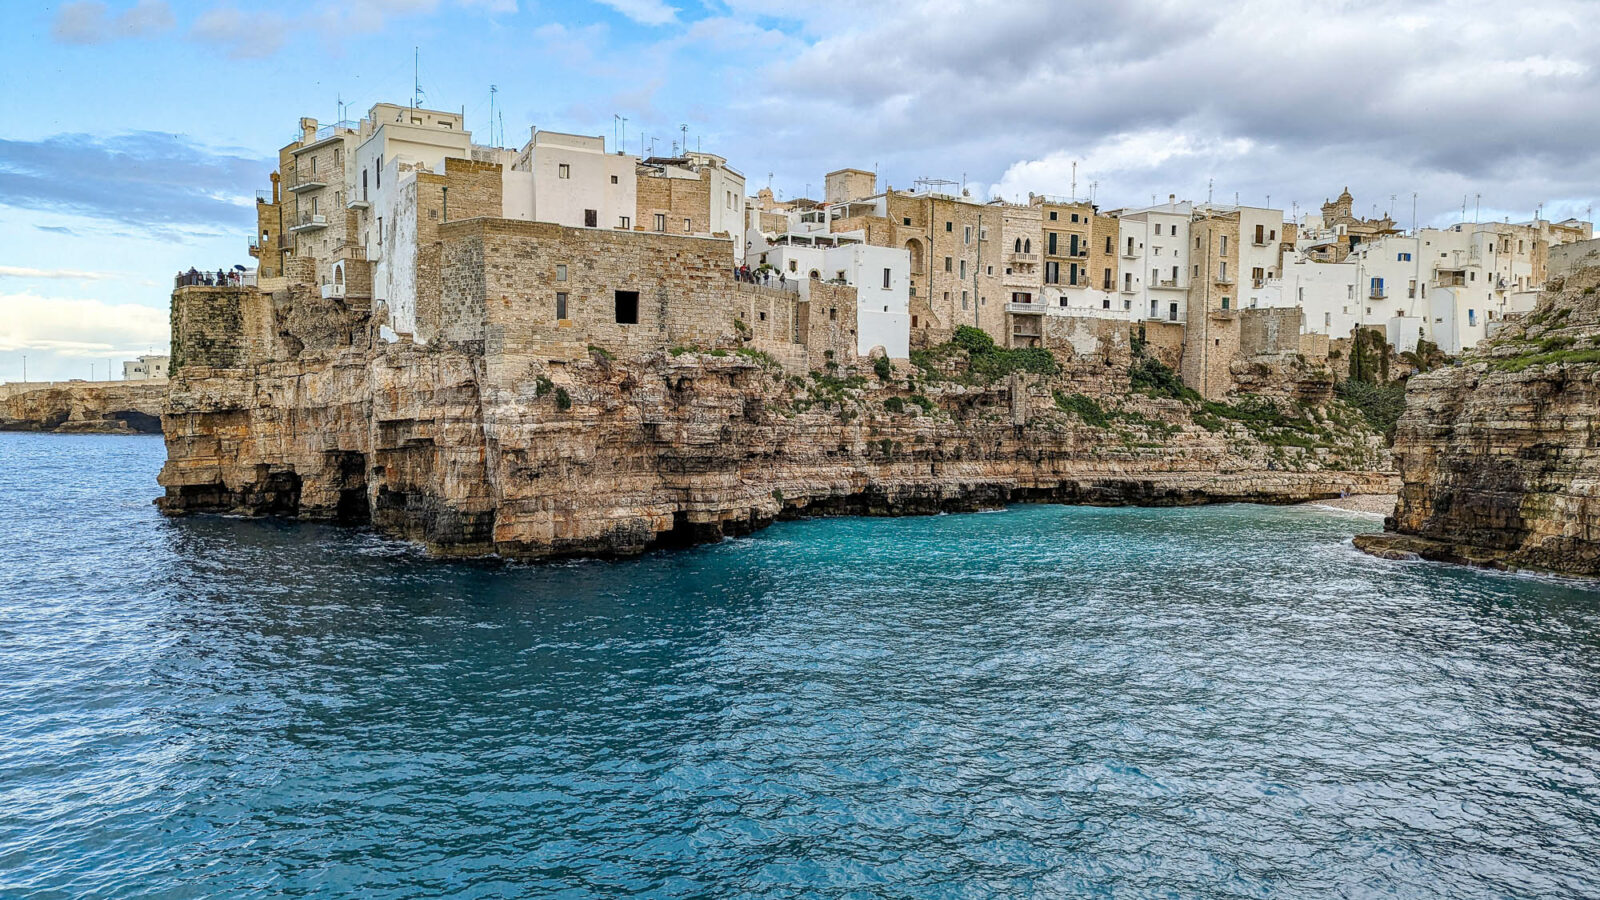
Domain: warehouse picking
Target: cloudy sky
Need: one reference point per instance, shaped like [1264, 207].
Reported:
[134, 134]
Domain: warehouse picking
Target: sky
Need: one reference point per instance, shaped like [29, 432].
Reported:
[133, 135]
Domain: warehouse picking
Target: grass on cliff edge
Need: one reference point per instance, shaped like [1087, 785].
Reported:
[1519, 363]
[986, 360]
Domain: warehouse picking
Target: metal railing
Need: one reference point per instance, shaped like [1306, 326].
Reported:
[1031, 309]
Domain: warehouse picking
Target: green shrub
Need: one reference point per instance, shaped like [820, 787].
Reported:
[927, 405]
[601, 352]
[1084, 407]
[563, 399]
[883, 368]
[543, 385]
[894, 405]
[1153, 377]
[760, 356]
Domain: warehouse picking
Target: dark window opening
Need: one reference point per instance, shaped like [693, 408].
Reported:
[591, 218]
[561, 305]
[627, 307]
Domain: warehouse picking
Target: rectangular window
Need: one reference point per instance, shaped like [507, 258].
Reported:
[625, 223]
[949, 227]
[1052, 215]
[313, 164]
[886, 279]
[1072, 274]
[966, 235]
[947, 264]
[591, 218]
[963, 299]
[380, 231]
[561, 272]
[1261, 234]
[1050, 240]
[1052, 273]
[613, 179]
[627, 304]
[561, 304]
[688, 226]
[1472, 317]
[1403, 257]
[1172, 312]
[963, 268]
[1224, 245]
[661, 221]
[1158, 229]
[563, 171]
[378, 173]
[1108, 243]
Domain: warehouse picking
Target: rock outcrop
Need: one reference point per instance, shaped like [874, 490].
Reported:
[84, 407]
[1500, 456]
[533, 457]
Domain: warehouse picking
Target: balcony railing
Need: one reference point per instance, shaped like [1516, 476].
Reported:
[1018, 256]
[1224, 279]
[1129, 253]
[1026, 309]
[306, 181]
[1167, 283]
[332, 291]
[1378, 295]
[310, 222]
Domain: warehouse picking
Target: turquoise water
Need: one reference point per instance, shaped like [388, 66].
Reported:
[1046, 701]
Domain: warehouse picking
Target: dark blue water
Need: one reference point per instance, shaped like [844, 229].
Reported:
[1048, 701]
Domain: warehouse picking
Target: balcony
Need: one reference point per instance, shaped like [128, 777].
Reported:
[356, 203]
[263, 196]
[1261, 243]
[1129, 253]
[1223, 279]
[1016, 256]
[332, 291]
[307, 181]
[1025, 309]
[1378, 295]
[1170, 284]
[310, 222]
[1224, 314]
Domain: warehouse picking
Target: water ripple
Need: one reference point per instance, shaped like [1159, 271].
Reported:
[1221, 702]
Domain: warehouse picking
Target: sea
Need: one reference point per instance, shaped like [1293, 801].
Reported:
[1041, 701]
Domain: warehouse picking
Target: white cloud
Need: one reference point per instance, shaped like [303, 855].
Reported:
[60, 335]
[78, 274]
[645, 12]
[91, 22]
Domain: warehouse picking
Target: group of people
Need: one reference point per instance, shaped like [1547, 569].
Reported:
[760, 276]
[193, 277]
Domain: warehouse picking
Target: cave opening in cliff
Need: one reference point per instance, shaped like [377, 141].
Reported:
[353, 507]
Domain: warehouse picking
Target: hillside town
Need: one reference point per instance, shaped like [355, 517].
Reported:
[588, 246]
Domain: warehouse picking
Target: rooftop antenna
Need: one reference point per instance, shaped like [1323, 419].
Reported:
[1210, 182]
[493, 89]
[1074, 179]
[685, 129]
[1477, 207]
[1093, 186]
[619, 127]
[416, 78]
[1269, 201]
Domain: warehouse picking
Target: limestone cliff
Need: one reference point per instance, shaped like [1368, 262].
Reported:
[115, 407]
[1499, 455]
[532, 457]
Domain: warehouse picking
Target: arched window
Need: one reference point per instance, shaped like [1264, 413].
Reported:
[1018, 246]
[1027, 246]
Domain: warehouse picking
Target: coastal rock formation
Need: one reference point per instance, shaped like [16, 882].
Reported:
[531, 456]
[1499, 456]
[87, 407]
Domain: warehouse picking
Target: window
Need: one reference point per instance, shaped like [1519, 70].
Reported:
[591, 218]
[833, 314]
[625, 223]
[1258, 274]
[1174, 276]
[1072, 274]
[947, 264]
[561, 304]
[1327, 320]
[885, 279]
[1224, 245]
[363, 184]
[905, 220]
[661, 221]
[949, 227]
[1127, 281]
[563, 171]
[688, 226]
[963, 299]
[1261, 234]
[1472, 317]
[1052, 215]
[966, 235]
[1158, 229]
[561, 272]
[613, 179]
[380, 231]
[379, 173]
[1105, 302]
[794, 266]
[627, 304]
[1222, 272]
[963, 268]
[1108, 243]
[1411, 290]
[1052, 273]
[1050, 242]
[1172, 312]
[1377, 288]
[1074, 217]
[314, 171]
[1224, 302]
[1402, 257]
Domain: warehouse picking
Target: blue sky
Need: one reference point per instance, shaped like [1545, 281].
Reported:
[134, 134]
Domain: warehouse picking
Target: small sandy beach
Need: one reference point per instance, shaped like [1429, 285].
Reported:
[1377, 504]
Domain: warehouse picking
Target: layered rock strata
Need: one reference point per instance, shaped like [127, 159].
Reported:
[118, 407]
[604, 455]
[1500, 456]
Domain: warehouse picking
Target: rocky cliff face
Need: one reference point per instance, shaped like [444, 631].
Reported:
[1500, 456]
[608, 456]
[121, 407]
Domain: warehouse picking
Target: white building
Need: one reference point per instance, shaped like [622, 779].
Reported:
[145, 368]
[571, 180]
[880, 275]
[1153, 256]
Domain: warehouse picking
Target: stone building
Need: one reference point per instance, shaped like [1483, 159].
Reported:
[145, 368]
[697, 193]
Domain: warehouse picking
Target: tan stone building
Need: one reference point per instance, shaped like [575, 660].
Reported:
[1211, 338]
